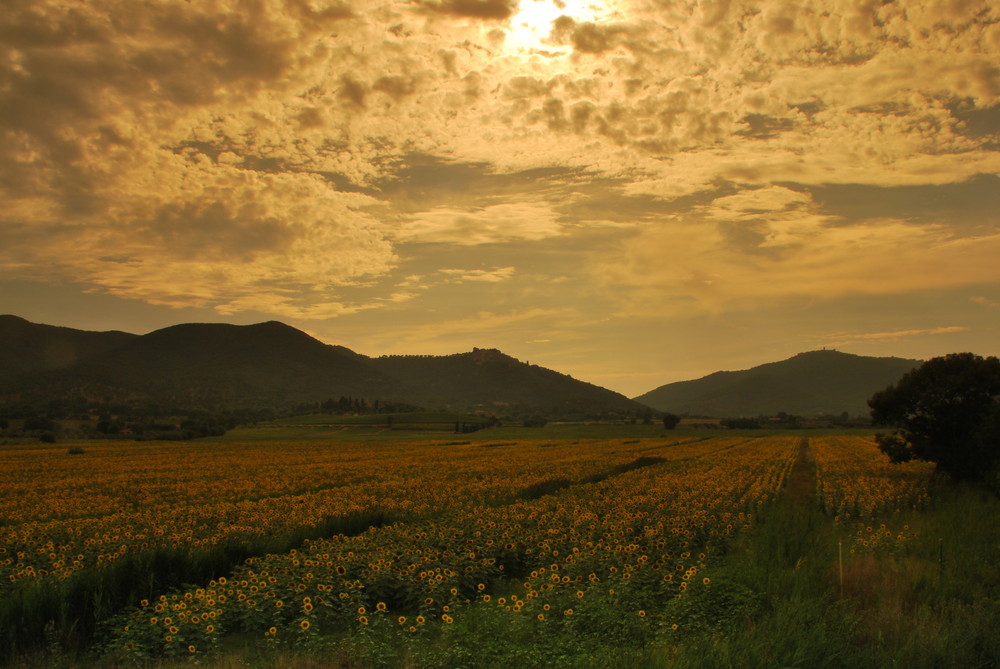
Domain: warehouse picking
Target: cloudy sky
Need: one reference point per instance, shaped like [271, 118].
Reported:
[632, 192]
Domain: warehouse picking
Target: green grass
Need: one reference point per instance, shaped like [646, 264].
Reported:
[774, 601]
[902, 609]
[414, 418]
[286, 431]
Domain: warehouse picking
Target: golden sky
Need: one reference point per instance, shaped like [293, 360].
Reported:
[632, 192]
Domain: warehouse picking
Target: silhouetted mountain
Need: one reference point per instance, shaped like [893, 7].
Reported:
[489, 379]
[808, 384]
[32, 348]
[218, 366]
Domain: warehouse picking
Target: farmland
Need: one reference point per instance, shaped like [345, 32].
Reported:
[680, 550]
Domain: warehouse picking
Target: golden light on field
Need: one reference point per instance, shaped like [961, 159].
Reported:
[548, 532]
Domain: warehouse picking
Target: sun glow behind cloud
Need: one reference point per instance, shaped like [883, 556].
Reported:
[575, 160]
[531, 27]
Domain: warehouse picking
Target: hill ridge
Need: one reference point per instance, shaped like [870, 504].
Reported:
[220, 365]
[824, 381]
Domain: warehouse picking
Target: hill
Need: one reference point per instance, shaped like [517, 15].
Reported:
[808, 384]
[272, 365]
[219, 365]
[489, 379]
[31, 348]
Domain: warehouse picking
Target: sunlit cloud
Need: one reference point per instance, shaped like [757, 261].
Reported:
[343, 161]
[488, 276]
[748, 249]
[486, 225]
[846, 338]
[986, 302]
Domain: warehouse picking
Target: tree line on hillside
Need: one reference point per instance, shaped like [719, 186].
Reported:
[179, 426]
[345, 404]
[787, 421]
[82, 418]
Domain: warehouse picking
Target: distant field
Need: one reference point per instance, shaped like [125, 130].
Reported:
[415, 418]
[435, 425]
[677, 550]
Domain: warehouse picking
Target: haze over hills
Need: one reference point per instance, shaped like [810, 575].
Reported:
[808, 384]
[218, 366]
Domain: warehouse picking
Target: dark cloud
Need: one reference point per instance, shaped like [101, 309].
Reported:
[396, 86]
[762, 126]
[423, 181]
[81, 87]
[526, 87]
[580, 115]
[594, 38]
[605, 200]
[746, 236]
[971, 205]
[481, 9]
[212, 229]
[578, 196]
[352, 91]
[979, 123]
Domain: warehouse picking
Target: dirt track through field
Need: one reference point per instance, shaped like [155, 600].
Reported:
[801, 485]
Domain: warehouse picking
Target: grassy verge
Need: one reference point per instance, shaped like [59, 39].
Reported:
[553, 431]
[899, 608]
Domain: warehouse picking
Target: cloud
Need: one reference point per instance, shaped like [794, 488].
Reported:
[973, 204]
[763, 246]
[479, 275]
[491, 224]
[985, 302]
[482, 9]
[841, 338]
[103, 115]
[271, 157]
[222, 238]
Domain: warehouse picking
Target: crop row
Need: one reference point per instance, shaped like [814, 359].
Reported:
[62, 514]
[854, 480]
[623, 543]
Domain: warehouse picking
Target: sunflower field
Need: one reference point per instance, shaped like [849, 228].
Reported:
[450, 553]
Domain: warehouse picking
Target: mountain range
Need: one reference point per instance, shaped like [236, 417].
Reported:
[808, 384]
[218, 366]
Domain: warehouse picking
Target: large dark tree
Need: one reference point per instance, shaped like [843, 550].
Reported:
[944, 411]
